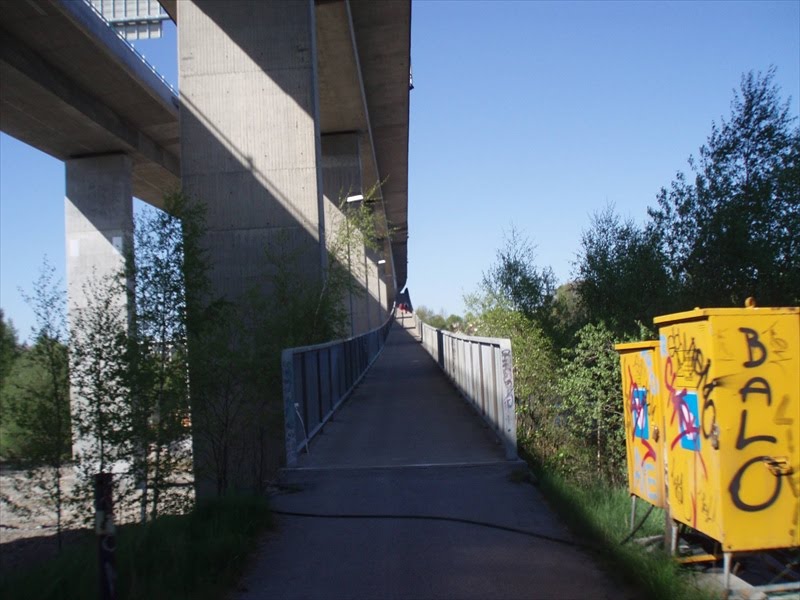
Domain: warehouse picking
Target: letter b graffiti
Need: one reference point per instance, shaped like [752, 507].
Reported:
[756, 351]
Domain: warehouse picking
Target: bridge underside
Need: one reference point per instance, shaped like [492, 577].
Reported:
[73, 89]
[284, 109]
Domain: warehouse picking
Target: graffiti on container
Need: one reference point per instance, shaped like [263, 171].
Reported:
[686, 359]
[739, 404]
[757, 389]
[677, 486]
[708, 506]
[645, 480]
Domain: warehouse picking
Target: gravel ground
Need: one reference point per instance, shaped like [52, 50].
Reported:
[28, 531]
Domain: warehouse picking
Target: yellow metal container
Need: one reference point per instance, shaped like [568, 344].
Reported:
[644, 420]
[731, 384]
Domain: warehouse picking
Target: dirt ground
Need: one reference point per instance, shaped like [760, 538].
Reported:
[28, 529]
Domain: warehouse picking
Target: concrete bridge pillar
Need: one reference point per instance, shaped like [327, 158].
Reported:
[250, 136]
[98, 219]
[342, 177]
[251, 152]
[371, 259]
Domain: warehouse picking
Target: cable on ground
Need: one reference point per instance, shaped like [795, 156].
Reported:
[635, 529]
[533, 534]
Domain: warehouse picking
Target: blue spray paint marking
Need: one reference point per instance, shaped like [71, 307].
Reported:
[642, 425]
[690, 441]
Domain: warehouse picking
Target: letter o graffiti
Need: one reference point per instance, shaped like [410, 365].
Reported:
[736, 484]
[707, 405]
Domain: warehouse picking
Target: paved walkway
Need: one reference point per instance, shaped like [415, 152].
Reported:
[406, 446]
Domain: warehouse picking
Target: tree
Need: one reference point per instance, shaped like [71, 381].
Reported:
[158, 346]
[100, 381]
[10, 351]
[622, 277]
[734, 231]
[514, 281]
[37, 395]
[590, 408]
[9, 347]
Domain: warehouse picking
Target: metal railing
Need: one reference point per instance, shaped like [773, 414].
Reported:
[482, 370]
[317, 379]
[130, 46]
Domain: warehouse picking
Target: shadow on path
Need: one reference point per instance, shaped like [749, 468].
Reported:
[411, 498]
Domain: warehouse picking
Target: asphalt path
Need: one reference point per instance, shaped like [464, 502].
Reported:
[406, 494]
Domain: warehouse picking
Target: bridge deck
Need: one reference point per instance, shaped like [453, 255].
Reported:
[404, 446]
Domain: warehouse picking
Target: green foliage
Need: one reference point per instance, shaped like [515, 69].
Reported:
[734, 231]
[569, 313]
[237, 402]
[438, 320]
[36, 404]
[36, 397]
[535, 373]
[515, 282]
[9, 347]
[100, 376]
[591, 411]
[622, 274]
[158, 345]
[600, 514]
[199, 555]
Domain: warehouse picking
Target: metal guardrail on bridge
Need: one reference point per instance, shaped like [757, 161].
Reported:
[317, 379]
[482, 370]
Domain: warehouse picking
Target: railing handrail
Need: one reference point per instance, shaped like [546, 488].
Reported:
[318, 378]
[469, 338]
[324, 345]
[481, 368]
[132, 48]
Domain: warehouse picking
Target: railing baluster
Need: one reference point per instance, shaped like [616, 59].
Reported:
[482, 370]
[317, 379]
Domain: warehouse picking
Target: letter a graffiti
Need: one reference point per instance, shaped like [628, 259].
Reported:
[753, 343]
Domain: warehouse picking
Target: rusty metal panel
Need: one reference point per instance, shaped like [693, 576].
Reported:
[732, 383]
[644, 420]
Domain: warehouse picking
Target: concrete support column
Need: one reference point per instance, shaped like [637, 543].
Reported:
[250, 140]
[341, 176]
[98, 219]
[373, 301]
[250, 151]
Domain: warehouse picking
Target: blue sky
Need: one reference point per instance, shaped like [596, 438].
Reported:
[531, 114]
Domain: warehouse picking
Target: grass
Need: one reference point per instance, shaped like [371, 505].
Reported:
[601, 514]
[195, 556]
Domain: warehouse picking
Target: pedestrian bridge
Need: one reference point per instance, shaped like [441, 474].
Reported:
[410, 486]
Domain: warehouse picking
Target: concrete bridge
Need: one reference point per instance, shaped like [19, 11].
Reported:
[285, 107]
[398, 482]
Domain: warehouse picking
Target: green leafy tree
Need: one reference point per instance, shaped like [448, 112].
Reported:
[590, 409]
[9, 347]
[236, 377]
[516, 282]
[535, 367]
[36, 397]
[10, 351]
[158, 351]
[621, 274]
[431, 317]
[100, 383]
[438, 320]
[734, 230]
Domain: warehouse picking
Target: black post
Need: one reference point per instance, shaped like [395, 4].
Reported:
[104, 527]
